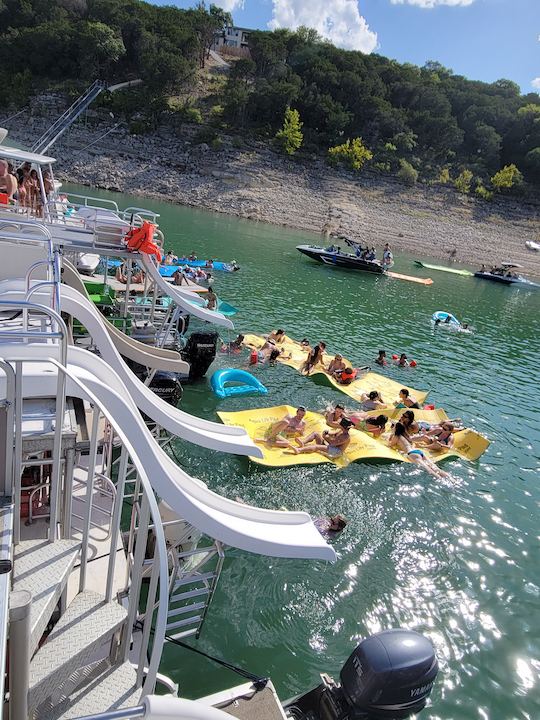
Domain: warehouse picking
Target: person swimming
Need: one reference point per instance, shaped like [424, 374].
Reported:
[330, 526]
[403, 362]
[332, 445]
[234, 347]
[401, 440]
[381, 358]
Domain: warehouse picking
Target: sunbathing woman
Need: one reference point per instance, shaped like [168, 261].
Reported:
[332, 445]
[278, 336]
[402, 441]
[440, 437]
[373, 425]
[290, 426]
[407, 400]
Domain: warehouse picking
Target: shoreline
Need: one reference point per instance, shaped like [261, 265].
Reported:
[253, 182]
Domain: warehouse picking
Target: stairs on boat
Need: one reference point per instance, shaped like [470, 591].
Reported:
[59, 685]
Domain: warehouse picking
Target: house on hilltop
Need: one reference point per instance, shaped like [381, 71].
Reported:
[231, 37]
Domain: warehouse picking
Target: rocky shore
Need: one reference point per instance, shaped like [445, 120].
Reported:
[250, 180]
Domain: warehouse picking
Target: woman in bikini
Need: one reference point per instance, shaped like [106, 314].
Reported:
[407, 400]
[440, 437]
[373, 425]
[315, 357]
[401, 440]
[372, 401]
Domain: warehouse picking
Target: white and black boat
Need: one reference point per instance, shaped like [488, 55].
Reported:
[335, 256]
[505, 274]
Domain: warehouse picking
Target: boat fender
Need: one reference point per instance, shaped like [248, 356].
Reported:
[429, 407]
[413, 363]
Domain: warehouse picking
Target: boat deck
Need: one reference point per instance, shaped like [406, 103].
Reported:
[244, 703]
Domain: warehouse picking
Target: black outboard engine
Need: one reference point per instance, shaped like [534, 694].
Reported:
[168, 386]
[200, 352]
[388, 677]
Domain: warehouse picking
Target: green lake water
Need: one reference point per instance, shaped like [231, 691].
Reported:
[457, 560]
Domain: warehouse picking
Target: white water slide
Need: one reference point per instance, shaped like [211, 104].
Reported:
[187, 300]
[205, 433]
[256, 530]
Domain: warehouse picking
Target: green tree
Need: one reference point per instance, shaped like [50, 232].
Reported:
[99, 48]
[506, 178]
[482, 191]
[290, 136]
[352, 153]
[407, 173]
[463, 182]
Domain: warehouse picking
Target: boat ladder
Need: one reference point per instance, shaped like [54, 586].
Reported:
[193, 583]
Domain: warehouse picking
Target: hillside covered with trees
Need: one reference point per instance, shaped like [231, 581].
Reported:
[420, 123]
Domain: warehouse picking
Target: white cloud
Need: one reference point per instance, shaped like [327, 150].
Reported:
[429, 4]
[230, 5]
[336, 20]
[536, 83]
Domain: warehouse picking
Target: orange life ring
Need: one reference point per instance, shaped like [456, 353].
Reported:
[142, 240]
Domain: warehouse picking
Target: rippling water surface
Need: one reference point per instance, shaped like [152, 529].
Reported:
[456, 560]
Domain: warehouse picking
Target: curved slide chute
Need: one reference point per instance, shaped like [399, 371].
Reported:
[265, 532]
[205, 433]
[151, 357]
[188, 301]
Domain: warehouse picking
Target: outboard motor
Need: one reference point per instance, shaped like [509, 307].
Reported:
[168, 386]
[388, 677]
[200, 352]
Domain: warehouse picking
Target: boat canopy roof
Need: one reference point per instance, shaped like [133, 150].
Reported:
[23, 156]
[510, 265]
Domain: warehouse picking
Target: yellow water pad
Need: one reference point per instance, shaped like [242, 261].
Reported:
[256, 422]
[295, 357]
[468, 444]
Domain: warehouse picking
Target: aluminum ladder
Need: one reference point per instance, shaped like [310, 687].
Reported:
[59, 127]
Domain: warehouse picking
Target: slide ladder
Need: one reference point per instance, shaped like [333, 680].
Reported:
[66, 120]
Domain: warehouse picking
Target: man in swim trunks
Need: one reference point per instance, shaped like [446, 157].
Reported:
[279, 432]
[334, 417]
[333, 445]
[381, 358]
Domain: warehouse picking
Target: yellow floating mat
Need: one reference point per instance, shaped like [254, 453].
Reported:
[468, 444]
[295, 357]
[256, 422]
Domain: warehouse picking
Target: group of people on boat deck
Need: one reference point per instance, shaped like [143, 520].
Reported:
[405, 435]
[21, 186]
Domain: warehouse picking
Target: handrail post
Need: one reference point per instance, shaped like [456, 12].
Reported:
[19, 653]
[88, 498]
[115, 521]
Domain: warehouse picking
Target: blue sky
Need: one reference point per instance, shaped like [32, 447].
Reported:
[481, 39]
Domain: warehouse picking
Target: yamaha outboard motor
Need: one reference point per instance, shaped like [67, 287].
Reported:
[200, 352]
[388, 677]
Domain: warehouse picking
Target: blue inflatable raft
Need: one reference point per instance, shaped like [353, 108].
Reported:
[169, 270]
[442, 316]
[246, 383]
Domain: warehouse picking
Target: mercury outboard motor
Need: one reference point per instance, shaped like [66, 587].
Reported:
[168, 386]
[200, 352]
[388, 677]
